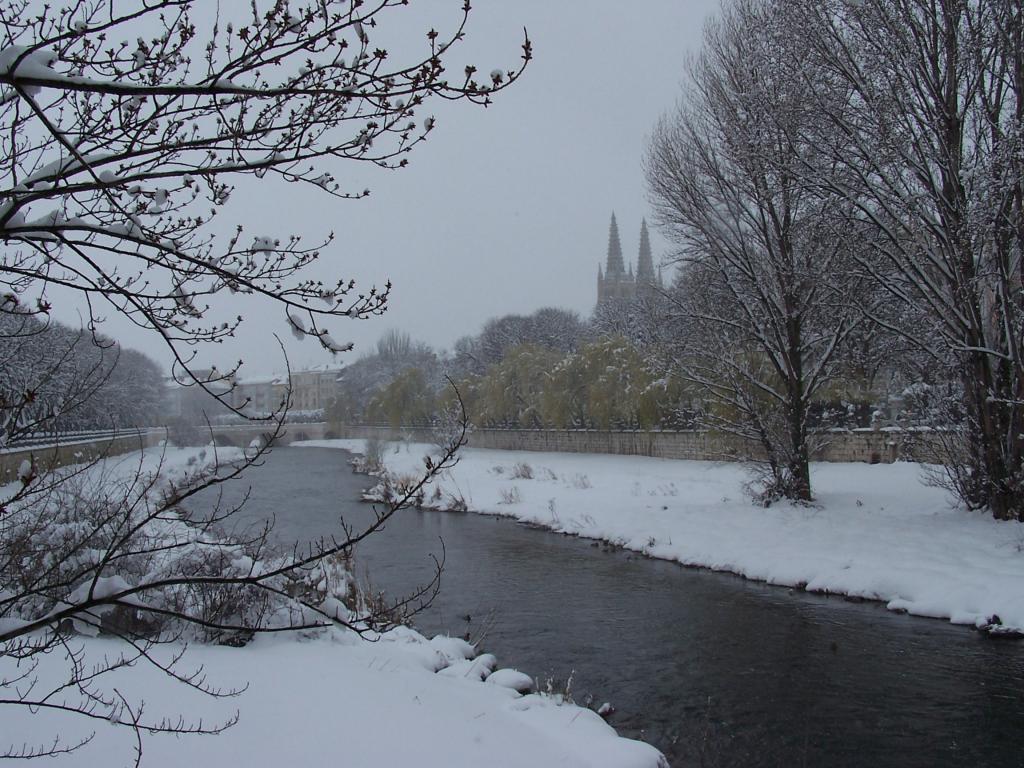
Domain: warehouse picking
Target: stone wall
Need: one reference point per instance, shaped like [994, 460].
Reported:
[871, 446]
[45, 458]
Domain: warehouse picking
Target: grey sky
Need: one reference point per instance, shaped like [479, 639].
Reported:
[503, 210]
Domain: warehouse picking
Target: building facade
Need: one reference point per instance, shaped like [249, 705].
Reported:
[312, 390]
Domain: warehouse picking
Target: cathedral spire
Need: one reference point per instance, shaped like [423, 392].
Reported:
[645, 262]
[615, 265]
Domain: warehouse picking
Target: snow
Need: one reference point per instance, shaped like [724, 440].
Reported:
[316, 698]
[875, 531]
[20, 61]
[298, 326]
[511, 678]
[337, 700]
[265, 244]
[104, 586]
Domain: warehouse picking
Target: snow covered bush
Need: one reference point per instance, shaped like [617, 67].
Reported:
[101, 549]
[371, 460]
[510, 495]
[521, 470]
[120, 549]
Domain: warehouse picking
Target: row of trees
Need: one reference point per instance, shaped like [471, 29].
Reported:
[847, 175]
[59, 378]
[607, 383]
[363, 382]
[546, 369]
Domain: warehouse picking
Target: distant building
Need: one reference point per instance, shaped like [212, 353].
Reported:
[618, 284]
[312, 389]
[193, 403]
[258, 395]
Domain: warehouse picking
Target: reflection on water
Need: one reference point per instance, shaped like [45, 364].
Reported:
[712, 669]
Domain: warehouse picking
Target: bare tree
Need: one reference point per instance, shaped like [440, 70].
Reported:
[360, 382]
[766, 299]
[124, 126]
[549, 327]
[394, 344]
[932, 125]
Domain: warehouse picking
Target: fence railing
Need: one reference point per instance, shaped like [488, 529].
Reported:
[54, 439]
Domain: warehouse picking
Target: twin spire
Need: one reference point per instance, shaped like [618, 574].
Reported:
[616, 267]
[617, 282]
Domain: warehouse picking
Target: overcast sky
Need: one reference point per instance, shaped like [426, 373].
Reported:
[503, 210]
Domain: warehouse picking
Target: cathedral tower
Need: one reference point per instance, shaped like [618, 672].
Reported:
[615, 283]
[648, 282]
[615, 267]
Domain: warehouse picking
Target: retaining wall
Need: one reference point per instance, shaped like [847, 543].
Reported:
[45, 458]
[867, 445]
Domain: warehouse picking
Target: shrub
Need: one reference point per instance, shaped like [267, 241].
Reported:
[581, 481]
[510, 495]
[372, 460]
[522, 471]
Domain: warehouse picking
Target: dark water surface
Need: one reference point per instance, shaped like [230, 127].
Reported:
[711, 669]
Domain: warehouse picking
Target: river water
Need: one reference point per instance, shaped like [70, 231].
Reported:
[710, 668]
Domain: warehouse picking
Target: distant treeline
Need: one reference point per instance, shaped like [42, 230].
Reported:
[55, 377]
[551, 369]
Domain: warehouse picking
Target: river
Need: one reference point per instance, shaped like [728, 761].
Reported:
[712, 669]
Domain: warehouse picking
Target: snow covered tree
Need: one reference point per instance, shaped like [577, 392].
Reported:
[623, 389]
[556, 328]
[366, 379]
[767, 294]
[134, 394]
[550, 327]
[125, 126]
[466, 358]
[50, 377]
[60, 379]
[606, 384]
[641, 319]
[932, 120]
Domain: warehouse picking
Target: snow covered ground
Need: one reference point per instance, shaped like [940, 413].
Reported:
[874, 531]
[336, 700]
[321, 699]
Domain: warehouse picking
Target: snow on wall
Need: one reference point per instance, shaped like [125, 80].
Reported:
[870, 446]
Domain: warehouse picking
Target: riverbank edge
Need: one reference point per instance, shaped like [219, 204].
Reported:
[402, 672]
[992, 628]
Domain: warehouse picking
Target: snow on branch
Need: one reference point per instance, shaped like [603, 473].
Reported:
[124, 127]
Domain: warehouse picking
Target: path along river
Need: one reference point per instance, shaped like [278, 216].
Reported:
[712, 669]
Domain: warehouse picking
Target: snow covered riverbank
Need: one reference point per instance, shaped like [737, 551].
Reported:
[325, 697]
[874, 532]
[337, 700]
